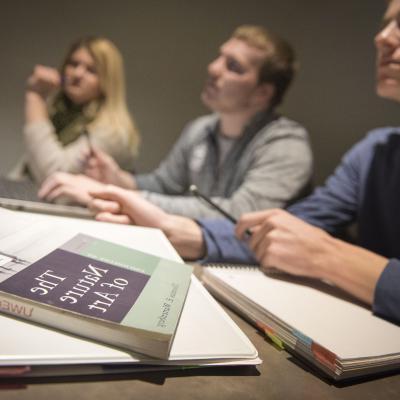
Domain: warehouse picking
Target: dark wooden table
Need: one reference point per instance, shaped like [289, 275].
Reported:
[281, 376]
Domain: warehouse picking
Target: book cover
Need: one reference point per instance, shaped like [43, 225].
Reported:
[100, 290]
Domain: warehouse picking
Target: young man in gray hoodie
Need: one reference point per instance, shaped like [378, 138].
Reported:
[244, 155]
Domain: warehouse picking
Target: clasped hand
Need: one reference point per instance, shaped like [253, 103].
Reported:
[44, 81]
[285, 242]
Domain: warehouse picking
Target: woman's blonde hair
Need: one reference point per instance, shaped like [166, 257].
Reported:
[110, 110]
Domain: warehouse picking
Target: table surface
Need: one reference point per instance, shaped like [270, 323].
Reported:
[280, 376]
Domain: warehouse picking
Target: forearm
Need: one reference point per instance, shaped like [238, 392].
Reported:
[185, 235]
[35, 107]
[46, 155]
[211, 240]
[350, 267]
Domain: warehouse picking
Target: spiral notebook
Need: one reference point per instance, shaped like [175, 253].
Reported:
[312, 319]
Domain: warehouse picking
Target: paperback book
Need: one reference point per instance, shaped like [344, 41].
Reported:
[99, 290]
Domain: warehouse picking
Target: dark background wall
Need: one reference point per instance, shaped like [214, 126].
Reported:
[167, 45]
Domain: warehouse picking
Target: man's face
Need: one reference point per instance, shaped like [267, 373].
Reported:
[387, 43]
[232, 84]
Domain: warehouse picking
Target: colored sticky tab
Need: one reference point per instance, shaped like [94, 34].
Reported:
[276, 340]
[271, 334]
[303, 338]
[324, 356]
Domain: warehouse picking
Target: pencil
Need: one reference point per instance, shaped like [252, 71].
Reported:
[193, 189]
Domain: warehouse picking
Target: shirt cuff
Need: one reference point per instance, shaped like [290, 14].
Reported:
[387, 292]
[221, 244]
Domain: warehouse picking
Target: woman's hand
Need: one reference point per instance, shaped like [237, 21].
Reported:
[44, 81]
[40, 85]
[103, 168]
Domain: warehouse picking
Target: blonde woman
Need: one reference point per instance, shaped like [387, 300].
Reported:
[83, 106]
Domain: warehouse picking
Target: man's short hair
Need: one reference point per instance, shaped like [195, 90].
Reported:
[279, 66]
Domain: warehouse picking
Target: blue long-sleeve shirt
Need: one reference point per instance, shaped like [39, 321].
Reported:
[365, 188]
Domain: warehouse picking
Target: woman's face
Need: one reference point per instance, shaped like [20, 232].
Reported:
[81, 81]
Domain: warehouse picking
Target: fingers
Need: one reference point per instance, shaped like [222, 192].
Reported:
[92, 162]
[268, 229]
[50, 184]
[68, 194]
[72, 187]
[105, 204]
[260, 240]
[249, 220]
[44, 79]
[54, 192]
[140, 211]
[46, 73]
[83, 158]
[94, 166]
[109, 192]
[97, 152]
[100, 205]
[104, 158]
[101, 159]
[116, 219]
[92, 171]
[85, 155]
[101, 166]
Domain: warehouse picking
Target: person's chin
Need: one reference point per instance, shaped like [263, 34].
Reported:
[389, 89]
[76, 99]
[76, 94]
[207, 100]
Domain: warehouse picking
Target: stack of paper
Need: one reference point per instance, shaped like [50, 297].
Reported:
[314, 320]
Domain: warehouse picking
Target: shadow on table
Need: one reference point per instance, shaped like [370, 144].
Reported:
[142, 374]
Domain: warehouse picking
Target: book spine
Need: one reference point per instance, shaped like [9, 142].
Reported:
[11, 306]
[51, 316]
[110, 333]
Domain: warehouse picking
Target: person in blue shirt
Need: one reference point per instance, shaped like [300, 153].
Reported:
[364, 189]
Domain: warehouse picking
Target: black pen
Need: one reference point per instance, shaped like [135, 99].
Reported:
[193, 189]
